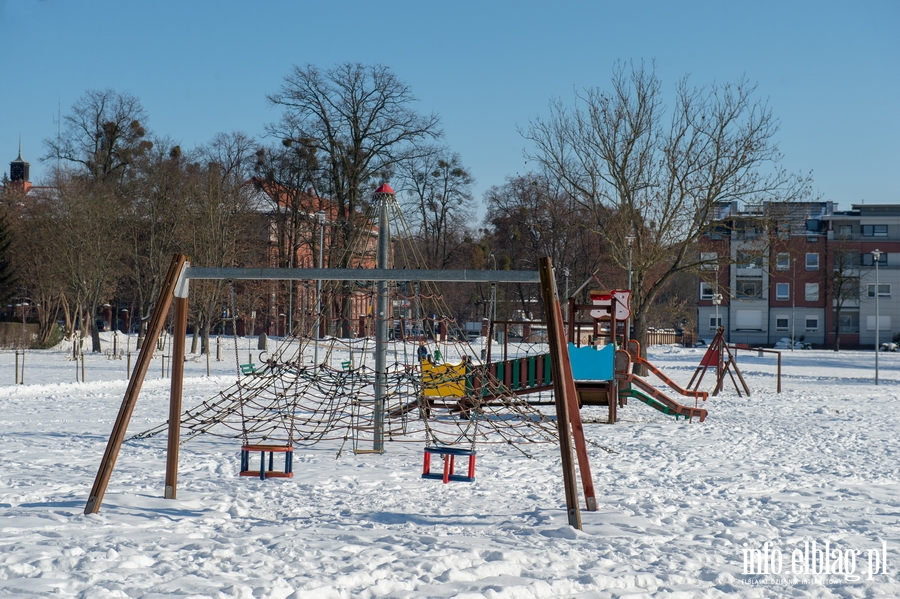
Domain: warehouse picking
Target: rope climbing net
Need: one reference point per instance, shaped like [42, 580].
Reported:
[291, 401]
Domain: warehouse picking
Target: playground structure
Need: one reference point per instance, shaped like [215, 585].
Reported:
[600, 371]
[284, 401]
[724, 358]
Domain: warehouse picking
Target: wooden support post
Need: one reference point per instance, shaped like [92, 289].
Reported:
[557, 348]
[175, 393]
[101, 482]
[572, 312]
[584, 466]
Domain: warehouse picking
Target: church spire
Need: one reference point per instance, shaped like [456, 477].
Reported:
[19, 171]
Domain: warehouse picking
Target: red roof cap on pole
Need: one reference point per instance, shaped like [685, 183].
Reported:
[384, 188]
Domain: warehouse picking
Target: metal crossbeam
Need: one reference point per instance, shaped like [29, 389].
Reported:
[364, 274]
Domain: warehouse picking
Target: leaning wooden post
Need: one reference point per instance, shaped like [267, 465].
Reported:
[584, 466]
[175, 393]
[101, 482]
[557, 346]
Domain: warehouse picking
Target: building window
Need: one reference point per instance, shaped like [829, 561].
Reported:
[845, 288]
[747, 288]
[706, 290]
[782, 291]
[709, 261]
[849, 321]
[847, 259]
[748, 320]
[884, 323]
[884, 290]
[874, 230]
[714, 323]
[748, 259]
[812, 292]
[781, 323]
[812, 261]
[845, 231]
[812, 323]
[783, 261]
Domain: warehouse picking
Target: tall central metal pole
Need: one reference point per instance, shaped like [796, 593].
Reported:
[382, 313]
[877, 255]
[318, 316]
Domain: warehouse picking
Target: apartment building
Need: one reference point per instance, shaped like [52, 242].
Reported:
[804, 271]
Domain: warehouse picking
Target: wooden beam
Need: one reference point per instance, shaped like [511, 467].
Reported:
[557, 347]
[175, 396]
[584, 466]
[101, 482]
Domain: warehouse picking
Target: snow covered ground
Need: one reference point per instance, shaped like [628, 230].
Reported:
[681, 506]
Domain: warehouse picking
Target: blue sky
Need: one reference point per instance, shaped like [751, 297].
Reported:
[830, 71]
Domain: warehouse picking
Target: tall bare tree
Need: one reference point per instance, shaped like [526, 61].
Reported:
[359, 121]
[222, 225]
[154, 221]
[36, 263]
[659, 177]
[842, 284]
[436, 191]
[104, 133]
[531, 216]
[87, 244]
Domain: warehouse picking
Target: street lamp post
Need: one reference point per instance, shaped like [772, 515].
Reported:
[630, 240]
[793, 297]
[876, 255]
[321, 218]
[494, 293]
[717, 297]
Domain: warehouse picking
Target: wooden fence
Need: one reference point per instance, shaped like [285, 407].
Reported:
[668, 338]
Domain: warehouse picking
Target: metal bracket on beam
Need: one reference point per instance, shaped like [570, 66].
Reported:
[181, 285]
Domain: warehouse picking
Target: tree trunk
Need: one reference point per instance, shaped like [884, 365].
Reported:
[837, 330]
[345, 316]
[204, 336]
[69, 329]
[95, 330]
[640, 333]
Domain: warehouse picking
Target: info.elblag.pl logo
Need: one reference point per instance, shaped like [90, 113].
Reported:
[812, 558]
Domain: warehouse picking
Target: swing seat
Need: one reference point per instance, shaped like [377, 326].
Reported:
[264, 473]
[248, 368]
[449, 454]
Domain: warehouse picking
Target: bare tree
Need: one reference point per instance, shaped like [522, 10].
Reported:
[103, 135]
[659, 178]
[843, 284]
[359, 122]
[529, 217]
[222, 225]
[87, 245]
[437, 190]
[155, 221]
[33, 234]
